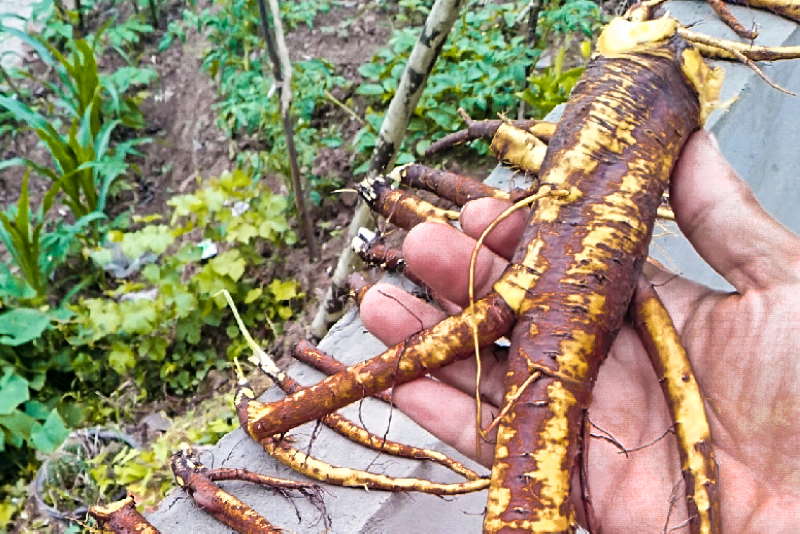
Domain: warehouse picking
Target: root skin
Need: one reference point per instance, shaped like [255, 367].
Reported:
[785, 8]
[221, 505]
[121, 517]
[453, 187]
[355, 478]
[320, 360]
[487, 130]
[574, 274]
[400, 207]
[421, 353]
[685, 402]
[344, 427]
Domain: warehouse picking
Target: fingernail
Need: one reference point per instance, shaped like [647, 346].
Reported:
[713, 139]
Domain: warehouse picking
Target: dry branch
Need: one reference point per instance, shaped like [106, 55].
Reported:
[282, 73]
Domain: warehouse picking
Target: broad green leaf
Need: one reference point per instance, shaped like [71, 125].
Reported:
[370, 70]
[155, 238]
[104, 317]
[18, 426]
[37, 409]
[370, 89]
[121, 358]
[283, 290]
[230, 263]
[21, 325]
[13, 392]
[138, 316]
[253, 294]
[47, 437]
[240, 231]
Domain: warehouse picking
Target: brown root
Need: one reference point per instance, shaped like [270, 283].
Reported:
[447, 185]
[344, 427]
[714, 48]
[355, 478]
[400, 207]
[421, 353]
[221, 505]
[785, 8]
[121, 517]
[727, 17]
[487, 130]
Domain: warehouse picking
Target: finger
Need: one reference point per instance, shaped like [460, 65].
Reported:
[448, 414]
[391, 314]
[440, 256]
[461, 375]
[476, 216]
[721, 217]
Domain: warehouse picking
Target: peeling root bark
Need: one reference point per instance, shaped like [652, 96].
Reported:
[487, 129]
[573, 276]
[421, 353]
[344, 427]
[685, 402]
[400, 207]
[221, 505]
[453, 187]
[355, 478]
[121, 517]
[316, 469]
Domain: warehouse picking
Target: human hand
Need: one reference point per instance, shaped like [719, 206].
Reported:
[743, 348]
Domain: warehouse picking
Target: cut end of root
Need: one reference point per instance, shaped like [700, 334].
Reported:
[362, 239]
[370, 188]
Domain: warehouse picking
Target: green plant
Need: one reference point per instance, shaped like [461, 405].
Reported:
[84, 164]
[237, 59]
[161, 338]
[552, 87]
[482, 68]
[147, 473]
[36, 253]
[584, 16]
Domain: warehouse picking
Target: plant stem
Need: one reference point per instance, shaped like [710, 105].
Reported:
[282, 72]
[153, 12]
[440, 21]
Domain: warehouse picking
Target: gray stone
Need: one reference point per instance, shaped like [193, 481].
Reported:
[13, 14]
[757, 135]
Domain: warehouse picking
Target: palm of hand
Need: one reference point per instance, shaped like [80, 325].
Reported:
[741, 347]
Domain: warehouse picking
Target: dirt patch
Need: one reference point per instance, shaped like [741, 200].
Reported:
[186, 141]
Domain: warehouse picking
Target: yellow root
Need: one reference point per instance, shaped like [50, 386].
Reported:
[685, 401]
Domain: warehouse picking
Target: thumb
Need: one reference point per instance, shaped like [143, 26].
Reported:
[719, 214]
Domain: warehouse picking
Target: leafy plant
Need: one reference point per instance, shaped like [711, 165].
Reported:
[249, 107]
[84, 164]
[161, 337]
[551, 88]
[23, 239]
[584, 16]
[481, 69]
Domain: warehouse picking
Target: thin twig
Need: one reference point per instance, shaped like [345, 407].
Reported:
[347, 109]
[282, 73]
